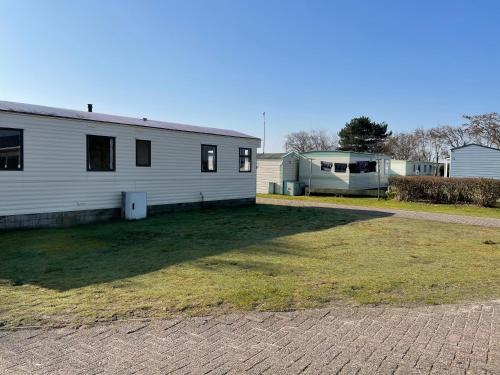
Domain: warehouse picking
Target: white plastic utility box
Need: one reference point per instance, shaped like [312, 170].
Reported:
[134, 205]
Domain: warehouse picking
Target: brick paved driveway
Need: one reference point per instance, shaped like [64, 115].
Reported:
[419, 215]
[448, 339]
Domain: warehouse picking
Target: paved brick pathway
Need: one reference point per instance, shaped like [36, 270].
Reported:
[448, 339]
[458, 219]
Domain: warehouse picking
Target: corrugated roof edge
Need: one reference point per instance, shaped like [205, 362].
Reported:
[38, 110]
[475, 144]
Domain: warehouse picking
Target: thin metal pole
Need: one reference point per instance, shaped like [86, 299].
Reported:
[378, 170]
[264, 142]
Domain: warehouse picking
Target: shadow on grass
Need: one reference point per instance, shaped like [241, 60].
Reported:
[63, 259]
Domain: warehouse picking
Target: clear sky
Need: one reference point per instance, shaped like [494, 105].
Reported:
[308, 64]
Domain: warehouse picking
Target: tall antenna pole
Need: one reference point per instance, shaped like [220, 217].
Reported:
[264, 142]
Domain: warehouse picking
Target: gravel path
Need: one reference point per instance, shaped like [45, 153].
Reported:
[447, 339]
[445, 218]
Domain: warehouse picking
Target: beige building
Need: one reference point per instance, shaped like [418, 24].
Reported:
[62, 166]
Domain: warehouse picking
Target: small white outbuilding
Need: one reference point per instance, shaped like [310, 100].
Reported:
[62, 167]
[274, 169]
[474, 160]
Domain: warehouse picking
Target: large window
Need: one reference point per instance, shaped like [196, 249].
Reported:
[208, 158]
[100, 153]
[11, 149]
[245, 159]
[363, 167]
[142, 153]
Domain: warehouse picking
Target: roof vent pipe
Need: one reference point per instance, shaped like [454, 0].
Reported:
[89, 107]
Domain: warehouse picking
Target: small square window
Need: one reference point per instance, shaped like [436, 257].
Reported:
[100, 153]
[340, 167]
[245, 159]
[326, 166]
[142, 153]
[208, 158]
[11, 149]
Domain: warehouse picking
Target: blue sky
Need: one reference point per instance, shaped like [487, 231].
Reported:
[308, 64]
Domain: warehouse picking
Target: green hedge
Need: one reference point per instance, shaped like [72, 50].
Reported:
[478, 191]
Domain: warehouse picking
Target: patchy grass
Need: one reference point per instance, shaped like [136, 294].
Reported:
[466, 210]
[256, 258]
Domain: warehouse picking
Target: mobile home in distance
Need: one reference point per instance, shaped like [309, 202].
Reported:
[344, 172]
[63, 167]
[274, 169]
[414, 168]
[475, 161]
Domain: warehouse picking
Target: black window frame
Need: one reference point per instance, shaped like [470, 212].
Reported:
[342, 167]
[326, 166]
[21, 149]
[148, 142]
[245, 156]
[88, 153]
[201, 159]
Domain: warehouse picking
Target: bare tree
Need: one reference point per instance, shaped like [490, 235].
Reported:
[484, 129]
[316, 140]
[401, 146]
[453, 136]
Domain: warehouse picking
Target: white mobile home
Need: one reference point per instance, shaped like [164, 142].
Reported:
[475, 161]
[274, 169]
[343, 172]
[413, 168]
[62, 167]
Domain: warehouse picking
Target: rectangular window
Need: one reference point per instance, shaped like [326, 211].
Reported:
[425, 168]
[363, 167]
[208, 158]
[372, 166]
[11, 149]
[326, 166]
[100, 153]
[387, 166]
[142, 153]
[245, 159]
[340, 167]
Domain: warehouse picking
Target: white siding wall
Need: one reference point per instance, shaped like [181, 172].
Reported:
[399, 168]
[324, 179]
[360, 181]
[342, 181]
[55, 178]
[290, 168]
[268, 170]
[475, 161]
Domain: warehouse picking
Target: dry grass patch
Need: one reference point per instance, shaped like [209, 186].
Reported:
[256, 258]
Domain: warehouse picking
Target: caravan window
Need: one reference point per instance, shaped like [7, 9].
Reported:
[208, 158]
[142, 153]
[326, 166]
[363, 167]
[100, 153]
[245, 159]
[11, 149]
[340, 167]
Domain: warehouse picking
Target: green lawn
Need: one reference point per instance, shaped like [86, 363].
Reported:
[255, 258]
[467, 210]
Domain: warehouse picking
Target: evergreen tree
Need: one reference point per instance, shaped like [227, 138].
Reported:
[363, 135]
